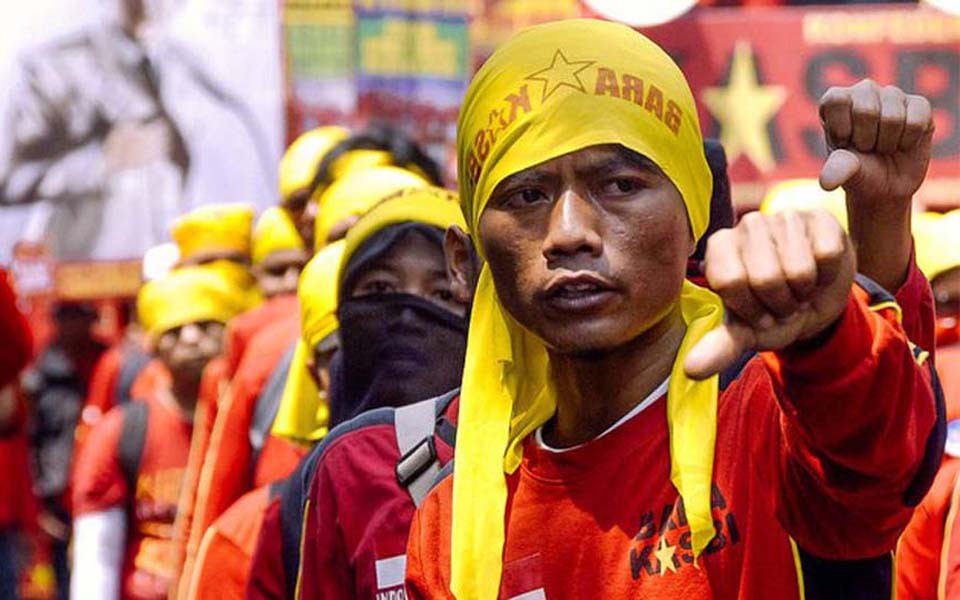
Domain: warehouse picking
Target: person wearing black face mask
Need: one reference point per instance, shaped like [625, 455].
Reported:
[404, 290]
[402, 333]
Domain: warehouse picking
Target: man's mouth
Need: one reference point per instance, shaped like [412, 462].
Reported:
[579, 293]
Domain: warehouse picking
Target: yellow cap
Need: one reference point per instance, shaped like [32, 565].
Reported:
[427, 205]
[303, 414]
[551, 90]
[936, 238]
[804, 194]
[188, 295]
[299, 164]
[274, 232]
[356, 192]
[213, 228]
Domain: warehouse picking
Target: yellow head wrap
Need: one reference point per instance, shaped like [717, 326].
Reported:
[428, 205]
[213, 228]
[299, 164]
[303, 414]
[551, 90]
[356, 192]
[935, 242]
[274, 232]
[804, 194]
[187, 295]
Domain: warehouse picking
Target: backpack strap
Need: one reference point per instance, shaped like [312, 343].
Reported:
[267, 405]
[414, 425]
[134, 360]
[133, 436]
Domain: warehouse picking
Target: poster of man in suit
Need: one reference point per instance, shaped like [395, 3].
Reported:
[112, 130]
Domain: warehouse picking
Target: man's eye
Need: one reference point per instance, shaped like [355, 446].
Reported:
[620, 187]
[444, 295]
[525, 197]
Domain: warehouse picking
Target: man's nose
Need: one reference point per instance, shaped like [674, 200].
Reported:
[573, 228]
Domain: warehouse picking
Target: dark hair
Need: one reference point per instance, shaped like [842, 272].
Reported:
[380, 136]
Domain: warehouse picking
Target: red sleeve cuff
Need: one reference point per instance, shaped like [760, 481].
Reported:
[849, 345]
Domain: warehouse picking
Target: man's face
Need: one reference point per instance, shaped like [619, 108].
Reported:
[303, 213]
[279, 272]
[186, 350]
[589, 250]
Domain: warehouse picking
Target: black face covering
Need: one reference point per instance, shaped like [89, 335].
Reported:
[395, 349]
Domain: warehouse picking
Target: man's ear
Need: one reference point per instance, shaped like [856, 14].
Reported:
[462, 264]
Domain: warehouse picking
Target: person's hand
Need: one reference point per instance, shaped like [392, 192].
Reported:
[879, 140]
[783, 279]
[130, 145]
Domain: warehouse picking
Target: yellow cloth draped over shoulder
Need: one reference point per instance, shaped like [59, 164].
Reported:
[551, 90]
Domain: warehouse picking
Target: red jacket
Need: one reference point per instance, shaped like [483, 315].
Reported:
[820, 457]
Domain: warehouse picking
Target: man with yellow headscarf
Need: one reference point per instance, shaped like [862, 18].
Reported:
[127, 481]
[624, 433]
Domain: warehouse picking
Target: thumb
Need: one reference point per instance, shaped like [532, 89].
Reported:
[718, 349]
[841, 167]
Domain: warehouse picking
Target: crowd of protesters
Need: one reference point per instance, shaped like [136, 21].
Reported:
[580, 376]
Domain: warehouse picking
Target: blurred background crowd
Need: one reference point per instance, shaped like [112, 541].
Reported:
[142, 136]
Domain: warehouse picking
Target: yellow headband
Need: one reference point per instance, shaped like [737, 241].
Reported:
[187, 295]
[551, 90]
[355, 193]
[303, 414]
[935, 242]
[299, 164]
[427, 205]
[213, 228]
[804, 194]
[274, 232]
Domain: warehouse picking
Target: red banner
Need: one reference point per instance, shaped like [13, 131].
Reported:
[758, 74]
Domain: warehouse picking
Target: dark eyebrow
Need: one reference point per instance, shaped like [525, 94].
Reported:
[529, 177]
[619, 159]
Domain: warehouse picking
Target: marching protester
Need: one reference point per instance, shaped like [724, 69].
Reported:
[222, 566]
[585, 339]
[928, 555]
[402, 333]
[128, 482]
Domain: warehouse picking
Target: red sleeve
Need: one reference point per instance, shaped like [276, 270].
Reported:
[856, 416]
[99, 483]
[221, 568]
[324, 569]
[915, 299]
[267, 579]
[16, 349]
[428, 549]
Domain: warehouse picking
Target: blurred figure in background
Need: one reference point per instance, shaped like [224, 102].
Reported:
[222, 564]
[237, 460]
[17, 502]
[127, 484]
[928, 556]
[56, 387]
[298, 168]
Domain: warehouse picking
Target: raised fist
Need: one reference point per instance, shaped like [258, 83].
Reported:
[783, 279]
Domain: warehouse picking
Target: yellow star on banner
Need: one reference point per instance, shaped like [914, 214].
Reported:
[665, 555]
[743, 108]
[561, 72]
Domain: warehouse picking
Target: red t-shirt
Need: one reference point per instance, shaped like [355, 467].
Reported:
[243, 328]
[816, 453]
[100, 485]
[225, 471]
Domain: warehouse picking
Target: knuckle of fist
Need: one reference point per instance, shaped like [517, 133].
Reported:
[867, 112]
[766, 282]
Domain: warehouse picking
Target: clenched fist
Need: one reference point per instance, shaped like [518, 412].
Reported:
[879, 140]
[783, 279]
